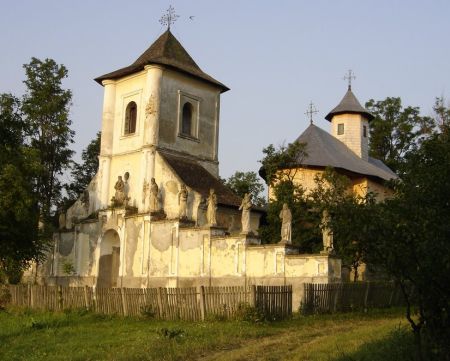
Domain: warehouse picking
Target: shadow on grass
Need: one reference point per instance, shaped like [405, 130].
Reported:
[398, 346]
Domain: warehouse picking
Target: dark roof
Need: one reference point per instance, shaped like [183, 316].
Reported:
[200, 180]
[324, 150]
[349, 104]
[166, 50]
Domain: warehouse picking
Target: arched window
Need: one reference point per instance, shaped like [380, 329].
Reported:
[187, 117]
[130, 118]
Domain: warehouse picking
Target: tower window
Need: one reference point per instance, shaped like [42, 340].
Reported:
[364, 131]
[130, 118]
[340, 129]
[187, 119]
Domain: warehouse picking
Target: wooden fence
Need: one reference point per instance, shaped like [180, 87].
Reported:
[273, 302]
[342, 297]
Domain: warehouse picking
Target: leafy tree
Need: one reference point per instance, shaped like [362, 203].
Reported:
[442, 115]
[82, 173]
[247, 182]
[18, 202]
[279, 169]
[45, 108]
[396, 130]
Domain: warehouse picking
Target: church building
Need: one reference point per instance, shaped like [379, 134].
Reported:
[156, 214]
[346, 150]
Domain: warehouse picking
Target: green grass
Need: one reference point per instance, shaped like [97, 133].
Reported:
[30, 335]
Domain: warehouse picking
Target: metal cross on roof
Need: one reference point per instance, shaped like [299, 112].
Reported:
[311, 111]
[169, 17]
[349, 76]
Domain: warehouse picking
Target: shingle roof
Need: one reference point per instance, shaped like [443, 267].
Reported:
[325, 150]
[349, 104]
[200, 180]
[166, 50]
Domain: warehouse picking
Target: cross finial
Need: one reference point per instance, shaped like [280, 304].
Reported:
[349, 76]
[169, 17]
[311, 111]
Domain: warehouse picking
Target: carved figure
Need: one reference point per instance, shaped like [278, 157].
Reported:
[212, 208]
[182, 201]
[246, 206]
[327, 234]
[154, 192]
[286, 224]
[119, 196]
[62, 219]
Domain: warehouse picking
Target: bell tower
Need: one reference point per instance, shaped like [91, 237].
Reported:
[163, 102]
[350, 124]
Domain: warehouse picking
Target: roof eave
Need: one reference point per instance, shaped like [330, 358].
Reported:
[368, 115]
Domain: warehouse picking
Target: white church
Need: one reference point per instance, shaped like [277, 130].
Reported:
[143, 220]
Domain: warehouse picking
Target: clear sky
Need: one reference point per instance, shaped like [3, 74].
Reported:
[276, 56]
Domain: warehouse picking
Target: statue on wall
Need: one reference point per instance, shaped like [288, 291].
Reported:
[154, 192]
[182, 201]
[62, 218]
[286, 224]
[246, 206]
[327, 234]
[212, 208]
[119, 196]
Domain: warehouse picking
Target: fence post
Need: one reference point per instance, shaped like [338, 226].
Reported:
[366, 296]
[30, 302]
[160, 303]
[86, 300]
[124, 302]
[60, 298]
[202, 303]
[253, 296]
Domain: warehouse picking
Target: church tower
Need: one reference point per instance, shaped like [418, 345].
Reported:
[350, 124]
[163, 102]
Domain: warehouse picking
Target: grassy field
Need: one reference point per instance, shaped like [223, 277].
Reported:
[29, 335]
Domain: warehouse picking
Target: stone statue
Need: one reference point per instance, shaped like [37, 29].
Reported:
[119, 196]
[212, 208]
[286, 224]
[327, 234]
[154, 192]
[62, 218]
[245, 206]
[182, 201]
[145, 198]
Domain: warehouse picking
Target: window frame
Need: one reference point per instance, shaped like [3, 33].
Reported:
[194, 101]
[128, 117]
[340, 129]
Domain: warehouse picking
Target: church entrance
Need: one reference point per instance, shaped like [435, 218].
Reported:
[108, 271]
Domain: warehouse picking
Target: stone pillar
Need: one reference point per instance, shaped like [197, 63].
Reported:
[106, 144]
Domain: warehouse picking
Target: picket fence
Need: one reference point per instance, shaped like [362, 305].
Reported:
[343, 297]
[191, 303]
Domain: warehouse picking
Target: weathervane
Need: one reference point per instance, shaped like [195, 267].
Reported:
[169, 17]
[349, 76]
[311, 111]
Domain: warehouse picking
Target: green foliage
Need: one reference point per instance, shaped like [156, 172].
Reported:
[247, 182]
[82, 173]
[285, 157]
[45, 109]
[18, 201]
[396, 130]
[68, 268]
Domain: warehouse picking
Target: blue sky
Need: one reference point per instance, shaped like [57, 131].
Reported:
[276, 56]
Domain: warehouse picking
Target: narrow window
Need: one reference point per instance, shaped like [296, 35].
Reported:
[340, 129]
[364, 131]
[130, 118]
[186, 121]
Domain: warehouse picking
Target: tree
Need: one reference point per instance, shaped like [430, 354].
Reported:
[396, 130]
[18, 202]
[45, 108]
[279, 169]
[247, 182]
[82, 173]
